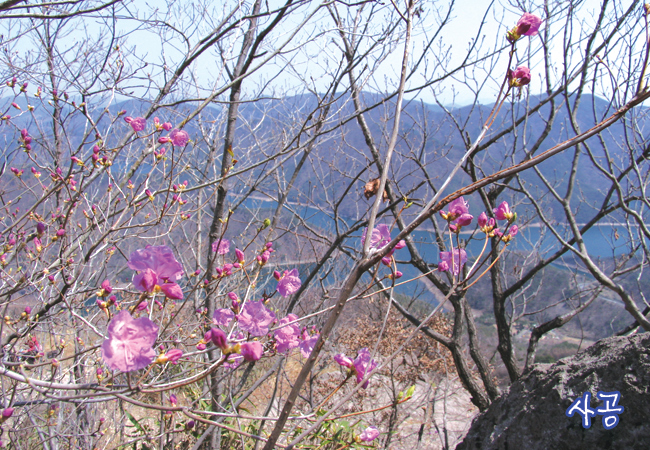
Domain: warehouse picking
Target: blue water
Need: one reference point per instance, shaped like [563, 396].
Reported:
[601, 241]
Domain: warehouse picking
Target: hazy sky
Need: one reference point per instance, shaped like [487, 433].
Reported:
[308, 64]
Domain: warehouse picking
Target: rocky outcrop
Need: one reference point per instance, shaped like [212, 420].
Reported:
[531, 414]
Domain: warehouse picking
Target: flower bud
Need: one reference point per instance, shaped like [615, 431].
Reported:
[219, 338]
[106, 286]
[396, 275]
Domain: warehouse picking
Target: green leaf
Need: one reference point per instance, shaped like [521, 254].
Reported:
[135, 422]
[410, 391]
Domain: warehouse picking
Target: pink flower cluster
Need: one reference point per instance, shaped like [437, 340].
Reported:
[288, 282]
[289, 336]
[379, 238]
[25, 139]
[130, 341]
[178, 138]
[157, 270]
[138, 123]
[361, 365]
[369, 434]
[454, 260]
[458, 216]
[221, 247]
[264, 256]
[254, 319]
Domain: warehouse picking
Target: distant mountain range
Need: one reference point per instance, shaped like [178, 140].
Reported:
[429, 138]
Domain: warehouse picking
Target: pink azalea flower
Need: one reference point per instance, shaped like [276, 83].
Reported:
[222, 317]
[179, 138]
[255, 318]
[288, 336]
[289, 283]
[138, 124]
[458, 213]
[459, 257]
[343, 360]
[160, 259]
[519, 77]
[240, 256]
[380, 236]
[308, 343]
[129, 342]
[369, 434]
[528, 25]
[222, 246]
[363, 364]
[502, 212]
[7, 413]
[158, 268]
[458, 207]
[252, 351]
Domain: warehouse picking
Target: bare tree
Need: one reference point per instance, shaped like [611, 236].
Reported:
[287, 131]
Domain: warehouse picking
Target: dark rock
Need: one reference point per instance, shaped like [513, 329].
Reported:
[531, 414]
